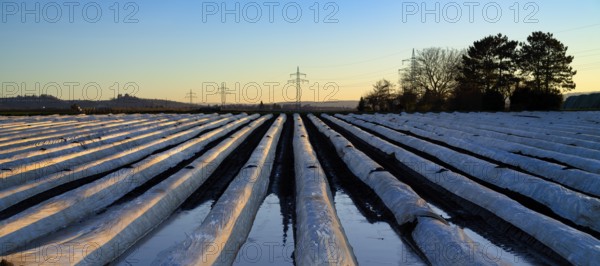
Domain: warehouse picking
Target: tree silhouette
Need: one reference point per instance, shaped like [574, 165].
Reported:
[437, 70]
[435, 77]
[382, 97]
[407, 101]
[488, 71]
[546, 68]
[532, 75]
[544, 59]
[362, 105]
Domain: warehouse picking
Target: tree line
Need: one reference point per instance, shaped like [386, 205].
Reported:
[493, 74]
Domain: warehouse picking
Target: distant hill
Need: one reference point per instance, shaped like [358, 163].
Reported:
[567, 95]
[291, 106]
[126, 102]
[343, 105]
[582, 101]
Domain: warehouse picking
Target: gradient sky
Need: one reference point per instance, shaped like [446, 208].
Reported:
[169, 50]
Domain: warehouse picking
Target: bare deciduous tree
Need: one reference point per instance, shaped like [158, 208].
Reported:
[437, 71]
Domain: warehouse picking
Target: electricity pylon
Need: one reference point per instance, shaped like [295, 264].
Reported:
[191, 95]
[298, 82]
[413, 69]
[224, 91]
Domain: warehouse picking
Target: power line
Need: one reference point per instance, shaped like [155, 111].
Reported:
[360, 62]
[579, 28]
[361, 76]
[298, 82]
[376, 58]
[587, 64]
[585, 51]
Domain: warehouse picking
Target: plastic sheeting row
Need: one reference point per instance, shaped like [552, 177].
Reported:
[225, 229]
[575, 246]
[573, 178]
[119, 228]
[84, 144]
[24, 172]
[56, 212]
[504, 131]
[431, 230]
[320, 238]
[89, 135]
[12, 195]
[25, 138]
[535, 125]
[567, 203]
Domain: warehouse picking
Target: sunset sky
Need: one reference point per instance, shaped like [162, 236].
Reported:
[171, 47]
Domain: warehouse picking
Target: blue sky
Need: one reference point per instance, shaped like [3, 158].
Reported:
[168, 49]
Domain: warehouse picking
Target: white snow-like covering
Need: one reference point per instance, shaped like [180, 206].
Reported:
[574, 178]
[532, 128]
[116, 230]
[56, 127]
[18, 125]
[82, 137]
[567, 203]
[26, 137]
[101, 121]
[556, 124]
[12, 195]
[543, 138]
[547, 133]
[407, 206]
[78, 146]
[575, 246]
[66, 208]
[554, 151]
[22, 173]
[42, 140]
[65, 127]
[503, 131]
[89, 135]
[7, 122]
[217, 240]
[320, 238]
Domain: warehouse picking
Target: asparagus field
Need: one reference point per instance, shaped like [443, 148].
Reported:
[311, 189]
